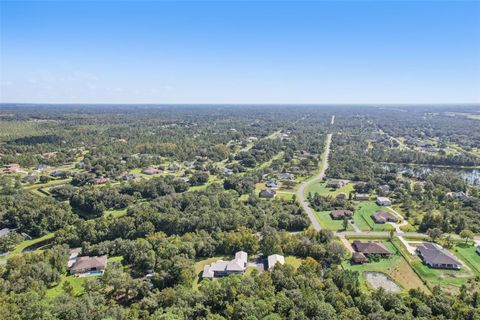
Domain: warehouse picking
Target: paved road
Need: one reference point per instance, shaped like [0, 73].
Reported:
[316, 178]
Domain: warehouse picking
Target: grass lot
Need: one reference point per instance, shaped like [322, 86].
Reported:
[76, 282]
[19, 248]
[323, 190]
[396, 267]
[467, 254]
[364, 221]
[326, 222]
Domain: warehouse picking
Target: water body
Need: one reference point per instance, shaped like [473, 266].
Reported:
[470, 176]
[380, 280]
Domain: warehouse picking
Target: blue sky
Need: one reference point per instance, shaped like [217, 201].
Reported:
[240, 52]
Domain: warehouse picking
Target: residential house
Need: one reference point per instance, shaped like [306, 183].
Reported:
[150, 171]
[42, 166]
[272, 184]
[227, 172]
[58, 173]
[267, 193]
[384, 189]
[341, 196]
[286, 176]
[5, 231]
[383, 217]
[173, 167]
[101, 180]
[361, 197]
[358, 257]
[274, 259]
[382, 201]
[189, 163]
[435, 256]
[29, 178]
[341, 214]
[89, 264]
[368, 248]
[478, 249]
[337, 183]
[12, 168]
[129, 176]
[458, 196]
[224, 268]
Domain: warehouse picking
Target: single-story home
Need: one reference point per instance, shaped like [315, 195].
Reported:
[362, 197]
[478, 249]
[173, 167]
[358, 257]
[58, 173]
[382, 201]
[457, 195]
[224, 268]
[337, 183]
[274, 259]
[267, 193]
[341, 196]
[29, 178]
[368, 248]
[88, 264]
[341, 214]
[286, 176]
[383, 217]
[101, 180]
[227, 172]
[5, 231]
[384, 189]
[435, 256]
[272, 183]
[150, 171]
[12, 168]
[42, 166]
[129, 176]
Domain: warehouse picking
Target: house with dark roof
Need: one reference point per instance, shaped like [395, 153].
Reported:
[478, 249]
[267, 193]
[173, 167]
[368, 248]
[58, 173]
[362, 197]
[435, 256]
[383, 217]
[224, 268]
[89, 264]
[341, 214]
[29, 178]
[341, 196]
[359, 258]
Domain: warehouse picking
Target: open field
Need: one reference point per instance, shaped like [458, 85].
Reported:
[326, 221]
[323, 190]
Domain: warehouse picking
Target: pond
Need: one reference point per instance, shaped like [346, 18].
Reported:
[380, 280]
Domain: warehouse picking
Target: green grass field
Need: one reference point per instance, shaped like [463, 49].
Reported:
[364, 221]
[467, 254]
[396, 267]
[323, 190]
[326, 222]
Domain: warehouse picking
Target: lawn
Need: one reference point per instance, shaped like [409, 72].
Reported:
[76, 282]
[468, 254]
[27, 243]
[326, 221]
[323, 190]
[364, 221]
[396, 267]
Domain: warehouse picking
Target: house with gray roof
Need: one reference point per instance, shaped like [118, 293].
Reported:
[273, 259]
[286, 176]
[382, 201]
[478, 249]
[341, 214]
[224, 268]
[383, 217]
[435, 256]
[267, 193]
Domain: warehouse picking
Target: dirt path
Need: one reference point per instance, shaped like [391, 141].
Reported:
[316, 178]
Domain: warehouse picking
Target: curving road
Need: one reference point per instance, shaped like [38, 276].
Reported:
[316, 178]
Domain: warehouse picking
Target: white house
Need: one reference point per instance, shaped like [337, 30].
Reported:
[382, 201]
[274, 259]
